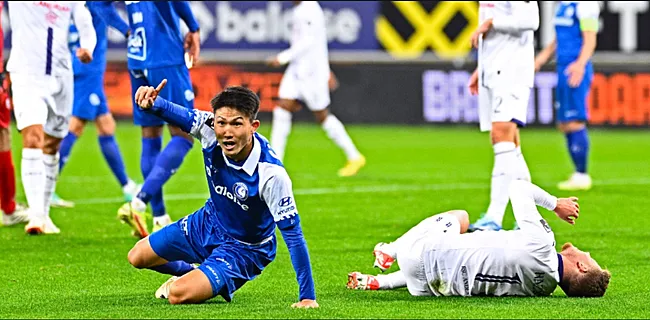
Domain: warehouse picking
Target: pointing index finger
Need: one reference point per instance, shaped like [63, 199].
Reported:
[161, 85]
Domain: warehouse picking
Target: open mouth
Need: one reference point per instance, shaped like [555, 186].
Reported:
[229, 145]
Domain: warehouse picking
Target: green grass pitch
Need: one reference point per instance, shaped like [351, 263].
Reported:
[412, 172]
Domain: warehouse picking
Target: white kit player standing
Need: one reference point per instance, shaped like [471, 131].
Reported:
[40, 66]
[306, 81]
[503, 82]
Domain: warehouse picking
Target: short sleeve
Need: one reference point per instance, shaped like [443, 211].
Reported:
[277, 193]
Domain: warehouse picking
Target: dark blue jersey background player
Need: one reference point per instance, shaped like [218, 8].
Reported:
[576, 26]
[156, 51]
[233, 235]
[90, 102]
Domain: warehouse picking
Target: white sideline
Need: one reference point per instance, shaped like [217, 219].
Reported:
[369, 189]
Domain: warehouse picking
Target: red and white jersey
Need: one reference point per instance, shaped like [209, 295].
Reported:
[308, 54]
[39, 35]
[506, 53]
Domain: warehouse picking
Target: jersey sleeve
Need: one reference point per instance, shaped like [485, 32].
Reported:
[84, 23]
[524, 16]
[303, 27]
[588, 13]
[277, 193]
[525, 197]
[199, 124]
[106, 10]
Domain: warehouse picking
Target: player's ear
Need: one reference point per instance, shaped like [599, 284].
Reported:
[582, 267]
[255, 125]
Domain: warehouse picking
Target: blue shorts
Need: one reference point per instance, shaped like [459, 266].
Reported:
[571, 103]
[228, 263]
[178, 90]
[89, 97]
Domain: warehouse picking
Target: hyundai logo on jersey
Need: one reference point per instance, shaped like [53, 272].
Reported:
[285, 202]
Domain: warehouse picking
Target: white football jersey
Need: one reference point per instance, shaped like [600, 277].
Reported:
[517, 263]
[308, 54]
[506, 53]
[39, 37]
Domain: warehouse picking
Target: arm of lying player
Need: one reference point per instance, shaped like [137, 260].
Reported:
[525, 197]
[106, 10]
[304, 28]
[87, 36]
[278, 196]
[195, 122]
[524, 17]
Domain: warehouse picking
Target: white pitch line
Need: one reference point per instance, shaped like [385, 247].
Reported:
[367, 189]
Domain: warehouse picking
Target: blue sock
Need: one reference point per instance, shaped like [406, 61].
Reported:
[174, 268]
[150, 150]
[167, 163]
[113, 157]
[578, 144]
[66, 147]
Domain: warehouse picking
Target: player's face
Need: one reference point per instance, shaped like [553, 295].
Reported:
[234, 131]
[580, 256]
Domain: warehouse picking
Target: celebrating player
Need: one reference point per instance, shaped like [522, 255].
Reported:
[156, 51]
[503, 81]
[232, 235]
[305, 81]
[437, 259]
[576, 25]
[42, 86]
[12, 212]
[90, 103]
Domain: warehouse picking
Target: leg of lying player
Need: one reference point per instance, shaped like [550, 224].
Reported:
[450, 222]
[337, 133]
[505, 169]
[12, 212]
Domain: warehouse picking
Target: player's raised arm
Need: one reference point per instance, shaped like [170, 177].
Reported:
[106, 10]
[197, 123]
[524, 17]
[278, 196]
[87, 36]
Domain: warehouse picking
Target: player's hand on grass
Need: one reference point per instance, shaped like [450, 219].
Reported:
[305, 304]
[473, 83]
[273, 62]
[84, 55]
[568, 209]
[575, 72]
[482, 29]
[145, 96]
[192, 45]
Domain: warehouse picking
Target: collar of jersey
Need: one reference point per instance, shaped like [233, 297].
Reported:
[251, 162]
[560, 266]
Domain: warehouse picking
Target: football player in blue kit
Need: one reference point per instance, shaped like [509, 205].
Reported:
[576, 26]
[233, 235]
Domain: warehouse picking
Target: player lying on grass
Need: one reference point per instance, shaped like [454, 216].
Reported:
[437, 259]
[233, 235]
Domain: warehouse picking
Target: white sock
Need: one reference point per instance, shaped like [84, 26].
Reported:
[51, 163]
[504, 171]
[522, 173]
[33, 175]
[336, 131]
[138, 204]
[393, 280]
[427, 226]
[129, 187]
[280, 129]
[162, 220]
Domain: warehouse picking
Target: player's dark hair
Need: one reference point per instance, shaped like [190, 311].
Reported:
[237, 97]
[591, 284]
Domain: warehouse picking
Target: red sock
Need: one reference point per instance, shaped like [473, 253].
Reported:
[7, 183]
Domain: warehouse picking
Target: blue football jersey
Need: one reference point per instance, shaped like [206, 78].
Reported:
[156, 39]
[247, 199]
[568, 19]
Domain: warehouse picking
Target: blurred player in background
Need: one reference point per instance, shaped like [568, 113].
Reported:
[156, 51]
[90, 102]
[233, 234]
[12, 212]
[305, 82]
[503, 81]
[437, 259]
[42, 85]
[576, 27]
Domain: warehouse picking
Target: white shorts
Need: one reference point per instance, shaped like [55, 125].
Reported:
[502, 105]
[410, 257]
[43, 100]
[313, 92]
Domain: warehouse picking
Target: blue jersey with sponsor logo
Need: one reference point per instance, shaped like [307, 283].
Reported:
[568, 31]
[155, 39]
